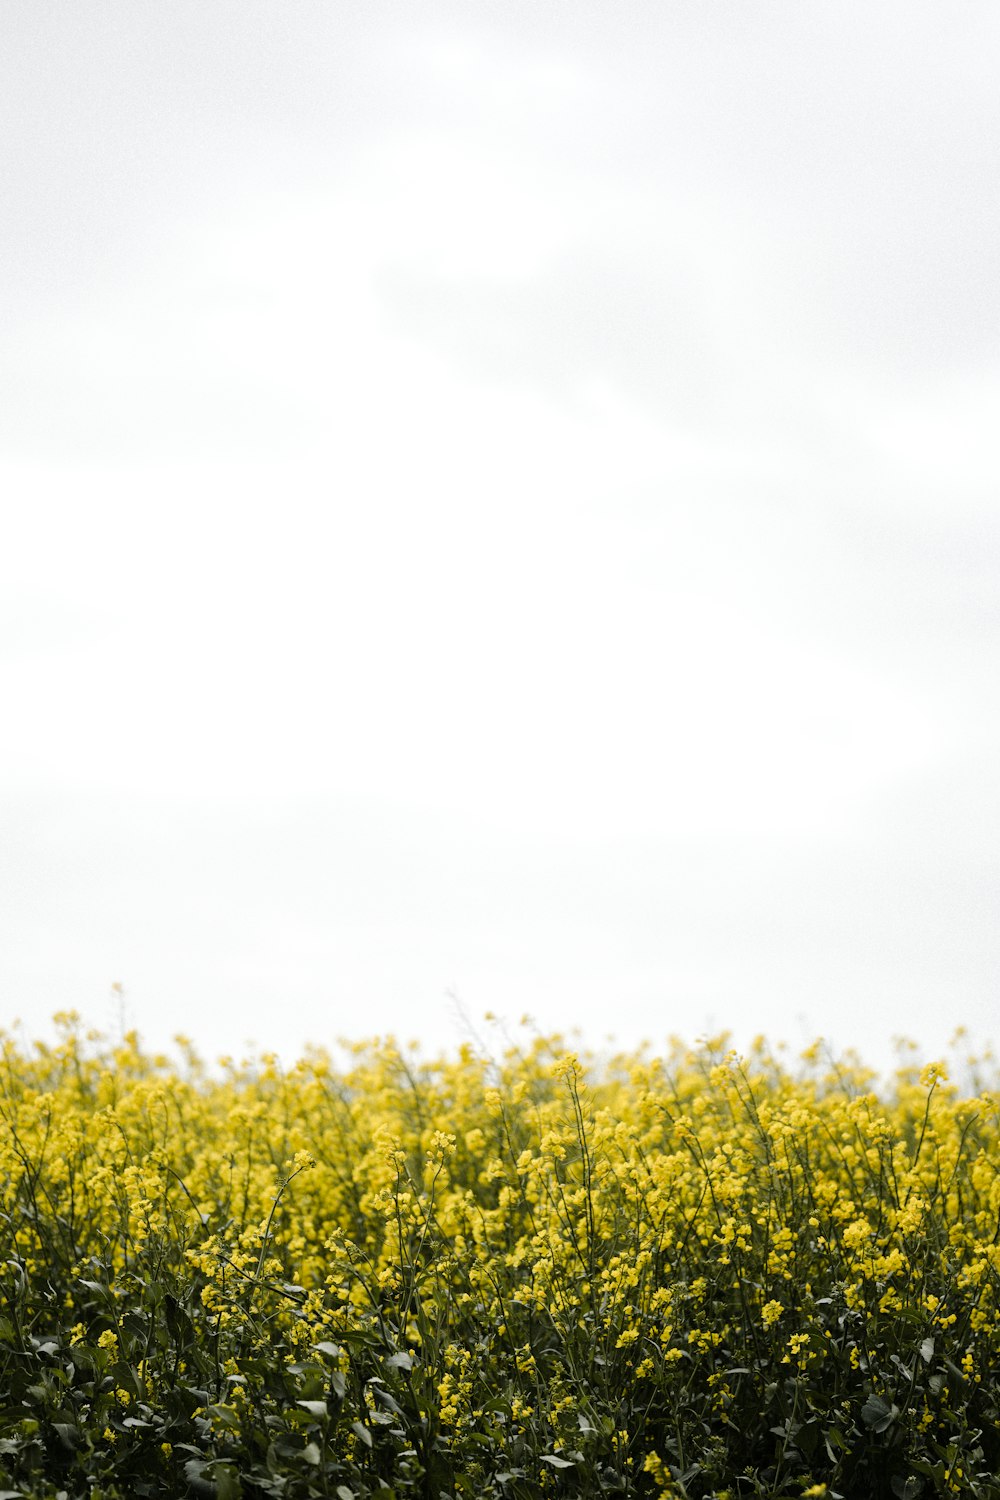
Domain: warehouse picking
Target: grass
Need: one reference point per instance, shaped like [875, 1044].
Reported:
[699, 1275]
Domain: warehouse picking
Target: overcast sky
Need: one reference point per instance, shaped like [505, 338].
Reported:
[500, 501]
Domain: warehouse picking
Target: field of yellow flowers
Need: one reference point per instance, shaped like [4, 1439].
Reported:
[700, 1275]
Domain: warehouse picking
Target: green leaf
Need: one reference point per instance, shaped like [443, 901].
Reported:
[227, 1482]
[194, 1471]
[362, 1338]
[556, 1461]
[877, 1414]
[223, 1415]
[834, 1439]
[98, 1287]
[315, 1408]
[311, 1453]
[362, 1432]
[927, 1351]
[384, 1399]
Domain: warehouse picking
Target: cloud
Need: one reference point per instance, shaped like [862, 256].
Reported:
[503, 502]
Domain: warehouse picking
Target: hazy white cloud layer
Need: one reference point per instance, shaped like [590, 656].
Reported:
[500, 501]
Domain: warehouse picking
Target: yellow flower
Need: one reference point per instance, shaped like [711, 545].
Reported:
[654, 1466]
[770, 1313]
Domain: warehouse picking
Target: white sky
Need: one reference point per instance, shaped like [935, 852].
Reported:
[500, 499]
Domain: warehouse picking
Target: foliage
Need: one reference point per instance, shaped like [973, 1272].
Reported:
[696, 1276]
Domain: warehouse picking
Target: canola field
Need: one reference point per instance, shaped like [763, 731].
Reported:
[535, 1275]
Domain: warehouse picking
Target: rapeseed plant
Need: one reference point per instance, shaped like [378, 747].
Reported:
[697, 1276]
